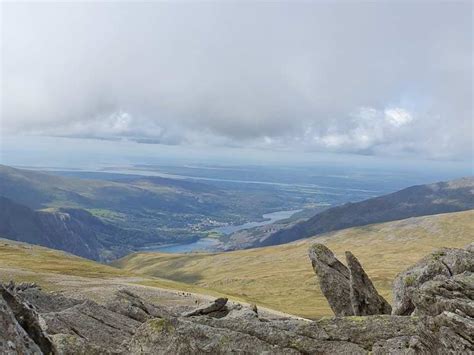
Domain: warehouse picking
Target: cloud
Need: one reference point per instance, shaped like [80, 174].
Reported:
[368, 78]
[398, 117]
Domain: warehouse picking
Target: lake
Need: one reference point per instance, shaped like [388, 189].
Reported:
[269, 218]
[208, 244]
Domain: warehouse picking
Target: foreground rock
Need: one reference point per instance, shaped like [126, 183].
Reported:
[217, 309]
[441, 265]
[448, 310]
[333, 279]
[130, 325]
[348, 290]
[13, 338]
[36, 322]
[365, 299]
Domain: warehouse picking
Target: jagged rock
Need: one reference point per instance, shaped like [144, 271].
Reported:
[221, 336]
[14, 287]
[129, 304]
[406, 345]
[366, 331]
[447, 308]
[240, 312]
[101, 327]
[348, 290]
[216, 309]
[364, 297]
[28, 319]
[448, 333]
[440, 265]
[454, 295]
[127, 324]
[333, 279]
[13, 338]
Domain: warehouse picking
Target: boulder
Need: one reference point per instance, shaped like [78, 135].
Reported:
[13, 338]
[447, 308]
[130, 305]
[349, 290]
[333, 279]
[455, 295]
[365, 299]
[216, 309]
[27, 318]
[440, 265]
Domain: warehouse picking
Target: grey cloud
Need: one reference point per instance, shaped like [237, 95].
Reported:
[282, 75]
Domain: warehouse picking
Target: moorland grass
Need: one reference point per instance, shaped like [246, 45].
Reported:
[281, 277]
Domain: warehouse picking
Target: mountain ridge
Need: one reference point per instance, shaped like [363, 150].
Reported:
[414, 201]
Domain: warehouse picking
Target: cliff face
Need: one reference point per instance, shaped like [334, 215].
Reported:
[72, 230]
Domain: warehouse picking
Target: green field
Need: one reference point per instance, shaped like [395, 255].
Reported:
[281, 277]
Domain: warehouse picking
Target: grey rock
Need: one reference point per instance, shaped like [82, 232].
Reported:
[368, 330]
[200, 335]
[333, 279]
[130, 305]
[454, 295]
[13, 338]
[447, 308]
[216, 309]
[364, 297]
[440, 265]
[101, 327]
[448, 333]
[127, 324]
[28, 319]
[404, 345]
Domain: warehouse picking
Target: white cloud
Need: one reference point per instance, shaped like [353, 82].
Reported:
[398, 116]
[397, 77]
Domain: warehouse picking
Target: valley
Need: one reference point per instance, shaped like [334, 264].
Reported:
[133, 212]
[280, 277]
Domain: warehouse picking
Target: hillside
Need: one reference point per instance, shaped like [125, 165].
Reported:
[421, 200]
[280, 277]
[66, 273]
[152, 210]
[73, 230]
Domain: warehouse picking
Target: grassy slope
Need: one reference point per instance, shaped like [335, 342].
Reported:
[56, 270]
[281, 277]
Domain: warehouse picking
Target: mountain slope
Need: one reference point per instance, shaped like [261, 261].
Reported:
[281, 277]
[72, 230]
[422, 200]
[156, 210]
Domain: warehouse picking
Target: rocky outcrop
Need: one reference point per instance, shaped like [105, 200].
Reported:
[348, 290]
[333, 279]
[438, 293]
[13, 338]
[217, 309]
[448, 311]
[440, 265]
[130, 325]
[24, 328]
[36, 322]
[365, 299]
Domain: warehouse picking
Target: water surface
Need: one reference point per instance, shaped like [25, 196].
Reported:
[208, 244]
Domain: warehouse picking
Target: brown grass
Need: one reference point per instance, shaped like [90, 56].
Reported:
[281, 277]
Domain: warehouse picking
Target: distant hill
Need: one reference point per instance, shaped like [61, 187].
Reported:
[422, 200]
[156, 210]
[72, 230]
[281, 277]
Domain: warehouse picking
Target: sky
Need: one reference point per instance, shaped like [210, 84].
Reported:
[383, 79]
